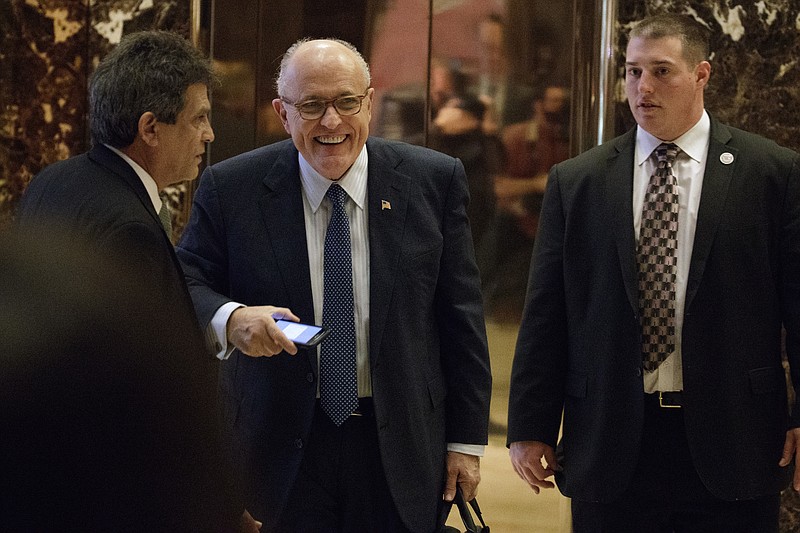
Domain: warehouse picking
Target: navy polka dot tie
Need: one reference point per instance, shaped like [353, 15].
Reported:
[337, 368]
[657, 258]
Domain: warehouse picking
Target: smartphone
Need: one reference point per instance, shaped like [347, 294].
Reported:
[302, 334]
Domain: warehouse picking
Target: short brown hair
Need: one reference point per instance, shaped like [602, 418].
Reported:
[693, 35]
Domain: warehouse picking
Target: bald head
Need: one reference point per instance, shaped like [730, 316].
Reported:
[325, 103]
[317, 53]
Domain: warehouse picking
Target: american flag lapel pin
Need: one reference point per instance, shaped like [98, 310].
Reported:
[385, 204]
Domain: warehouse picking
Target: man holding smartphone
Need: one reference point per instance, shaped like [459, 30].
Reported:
[370, 239]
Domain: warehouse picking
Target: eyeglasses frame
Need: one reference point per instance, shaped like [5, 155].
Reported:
[328, 103]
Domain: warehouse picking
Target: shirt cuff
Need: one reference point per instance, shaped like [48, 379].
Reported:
[217, 331]
[467, 449]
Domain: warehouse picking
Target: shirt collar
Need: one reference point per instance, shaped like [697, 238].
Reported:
[354, 181]
[147, 180]
[693, 143]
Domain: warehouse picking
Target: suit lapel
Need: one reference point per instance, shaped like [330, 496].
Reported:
[281, 207]
[716, 180]
[105, 157]
[387, 196]
[620, 191]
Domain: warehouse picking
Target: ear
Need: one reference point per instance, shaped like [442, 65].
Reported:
[370, 96]
[702, 73]
[280, 110]
[147, 128]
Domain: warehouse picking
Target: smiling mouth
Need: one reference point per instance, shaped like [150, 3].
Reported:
[331, 139]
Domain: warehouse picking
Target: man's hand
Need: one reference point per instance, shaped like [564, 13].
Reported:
[791, 450]
[465, 470]
[526, 456]
[254, 332]
[248, 524]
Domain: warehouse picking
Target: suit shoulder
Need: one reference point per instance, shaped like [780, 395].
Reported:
[593, 159]
[405, 152]
[757, 144]
[77, 180]
[261, 157]
[80, 193]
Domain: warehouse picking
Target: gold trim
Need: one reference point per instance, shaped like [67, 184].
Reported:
[195, 9]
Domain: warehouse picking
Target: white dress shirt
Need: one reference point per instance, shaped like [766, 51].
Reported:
[317, 210]
[689, 169]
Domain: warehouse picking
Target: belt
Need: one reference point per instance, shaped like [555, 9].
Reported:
[666, 399]
[365, 408]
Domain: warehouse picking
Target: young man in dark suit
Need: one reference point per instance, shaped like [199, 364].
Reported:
[369, 238]
[149, 119]
[654, 313]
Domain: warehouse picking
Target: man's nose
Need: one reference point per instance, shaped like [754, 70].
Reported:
[208, 136]
[645, 83]
[331, 118]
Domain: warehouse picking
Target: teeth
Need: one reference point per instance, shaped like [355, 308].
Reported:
[331, 139]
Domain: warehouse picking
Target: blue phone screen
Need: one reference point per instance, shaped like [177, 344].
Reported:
[296, 332]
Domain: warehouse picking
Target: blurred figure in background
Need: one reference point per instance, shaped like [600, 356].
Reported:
[530, 149]
[456, 130]
[106, 403]
[507, 101]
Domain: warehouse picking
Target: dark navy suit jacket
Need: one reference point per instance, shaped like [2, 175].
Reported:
[99, 196]
[246, 242]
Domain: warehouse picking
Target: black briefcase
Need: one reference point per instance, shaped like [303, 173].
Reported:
[466, 510]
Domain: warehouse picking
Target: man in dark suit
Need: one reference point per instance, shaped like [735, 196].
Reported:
[149, 122]
[675, 421]
[408, 326]
[149, 119]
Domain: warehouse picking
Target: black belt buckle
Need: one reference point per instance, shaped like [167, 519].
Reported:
[365, 408]
[670, 399]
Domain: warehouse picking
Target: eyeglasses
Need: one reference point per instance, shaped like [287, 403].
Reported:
[314, 109]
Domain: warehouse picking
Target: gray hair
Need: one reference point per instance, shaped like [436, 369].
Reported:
[280, 80]
[147, 71]
[693, 35]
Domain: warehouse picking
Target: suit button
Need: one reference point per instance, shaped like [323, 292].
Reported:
[298, 443]
[310, 377]
[638, 372]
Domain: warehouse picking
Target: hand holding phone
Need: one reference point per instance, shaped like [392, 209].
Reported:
[302, 334]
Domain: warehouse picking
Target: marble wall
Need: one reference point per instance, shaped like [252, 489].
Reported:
[48, 49]
[755, 61]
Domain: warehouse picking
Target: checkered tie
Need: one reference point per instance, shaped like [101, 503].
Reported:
[337, 368]
[657, 258]
[165, 216]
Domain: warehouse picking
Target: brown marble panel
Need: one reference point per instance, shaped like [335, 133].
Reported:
[47, 52]
[42, 88]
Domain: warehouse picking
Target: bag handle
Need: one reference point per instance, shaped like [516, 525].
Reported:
[466, 515]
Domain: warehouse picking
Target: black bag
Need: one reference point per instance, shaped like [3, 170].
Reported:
[466, 515]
